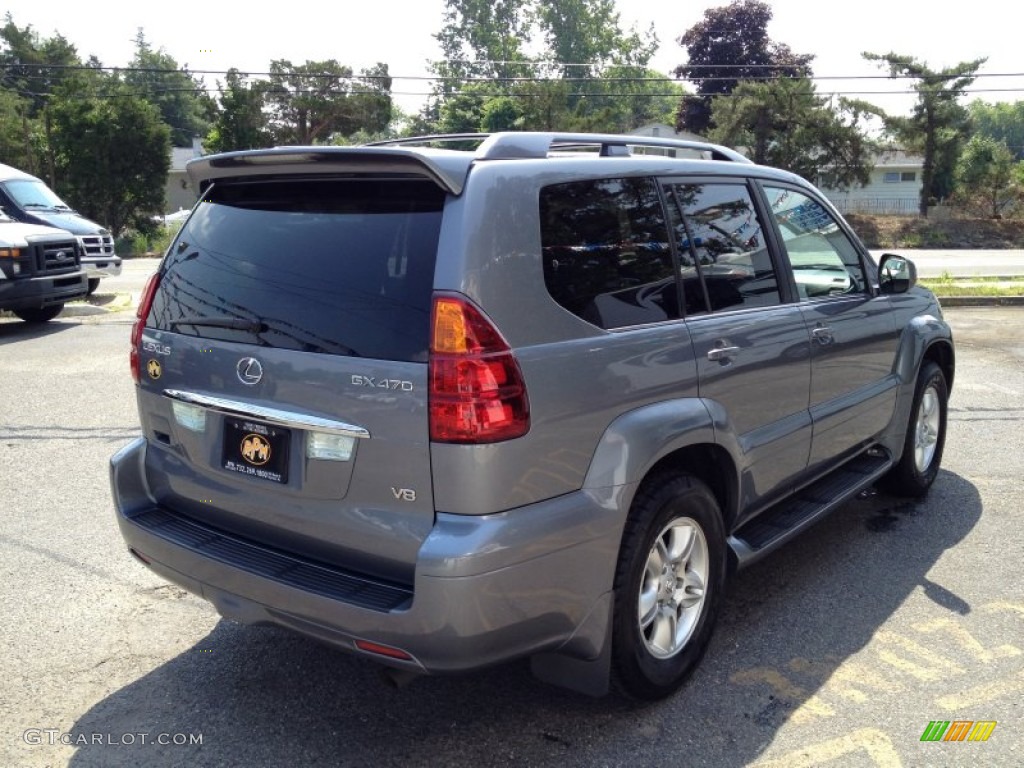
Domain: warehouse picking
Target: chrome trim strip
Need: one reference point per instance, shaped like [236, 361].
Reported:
[275, 415]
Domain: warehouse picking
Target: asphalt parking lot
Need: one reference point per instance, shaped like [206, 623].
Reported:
[838, 650]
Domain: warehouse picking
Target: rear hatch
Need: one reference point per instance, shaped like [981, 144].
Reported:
[283, 366]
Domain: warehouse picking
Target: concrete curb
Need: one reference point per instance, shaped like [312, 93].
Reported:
[121, 302]
[981, 301]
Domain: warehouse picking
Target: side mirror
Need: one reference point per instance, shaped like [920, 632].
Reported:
[896, 274]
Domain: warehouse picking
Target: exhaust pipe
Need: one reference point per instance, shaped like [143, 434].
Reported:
[398, 678]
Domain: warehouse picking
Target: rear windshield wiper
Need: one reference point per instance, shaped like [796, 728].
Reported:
[233, 323]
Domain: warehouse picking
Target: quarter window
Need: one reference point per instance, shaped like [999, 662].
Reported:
[825, 261]
[606, 252]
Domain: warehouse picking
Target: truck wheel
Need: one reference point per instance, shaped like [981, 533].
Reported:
[669, 585]
[94, 283]
[39, 314]
[926, 436]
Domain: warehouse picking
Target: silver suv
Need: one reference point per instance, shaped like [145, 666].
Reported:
[448, 407]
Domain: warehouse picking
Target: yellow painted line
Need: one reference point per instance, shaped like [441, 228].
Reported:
[845, 678]
[956, 631]
[1001, 606]
[982, 694]
[873, 742]
[807, 707]
[939, 666]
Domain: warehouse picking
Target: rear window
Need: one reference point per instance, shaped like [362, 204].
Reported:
[342, 267]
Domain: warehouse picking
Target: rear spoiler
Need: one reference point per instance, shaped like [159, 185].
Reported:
[446, 169]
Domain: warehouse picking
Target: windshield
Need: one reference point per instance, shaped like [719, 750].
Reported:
[344, 267]
[32, 193]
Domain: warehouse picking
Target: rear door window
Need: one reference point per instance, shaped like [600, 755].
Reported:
[722, 246]
[341, 267]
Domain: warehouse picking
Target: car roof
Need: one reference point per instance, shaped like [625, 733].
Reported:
[9, 172]
[431, 157]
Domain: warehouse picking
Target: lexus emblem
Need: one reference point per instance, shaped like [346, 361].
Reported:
[249, 371]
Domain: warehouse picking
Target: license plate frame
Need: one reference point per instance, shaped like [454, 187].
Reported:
[256, 449]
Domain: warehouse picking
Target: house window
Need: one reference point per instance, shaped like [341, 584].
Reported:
[908, 176]
[891, 177]
[828, 180]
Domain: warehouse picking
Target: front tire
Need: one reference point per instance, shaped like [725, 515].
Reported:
[669, 584]
[925, 439]
[94, 283]
[39, 314]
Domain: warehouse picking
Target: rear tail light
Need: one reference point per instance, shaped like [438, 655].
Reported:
[145, 304]
[477, 392]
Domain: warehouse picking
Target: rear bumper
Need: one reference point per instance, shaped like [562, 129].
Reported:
[487, 589]
[36, 292]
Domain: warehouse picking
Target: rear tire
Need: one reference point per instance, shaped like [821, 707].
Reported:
[925, 439]
[39, 314]
[669, 585]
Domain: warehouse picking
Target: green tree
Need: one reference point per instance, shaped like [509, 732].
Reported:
[544, 106]
[731, 45]
[501, 113]
[784, 123]
[20, 134]
[32, 66]
[938, 125]
[482, 39]
[310, 102]
[1003, 122]
[112, 151]
[463, 112]
[625, 97]
[241, 122]
[182, 99]
[584, 36]
[585, 59]
[987, 176]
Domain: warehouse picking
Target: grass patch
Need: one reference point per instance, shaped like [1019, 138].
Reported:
[975, 286]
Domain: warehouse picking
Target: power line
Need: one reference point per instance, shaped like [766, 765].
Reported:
[471, 78]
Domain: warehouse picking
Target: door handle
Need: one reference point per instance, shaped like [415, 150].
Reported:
[823, 335]
[721, 354]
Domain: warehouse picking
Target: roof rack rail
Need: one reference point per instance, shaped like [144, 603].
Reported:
[439, 138]
[513, 145]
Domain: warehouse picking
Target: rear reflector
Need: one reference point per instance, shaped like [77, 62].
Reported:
[477, 392]
[382, 650]
[138, 555]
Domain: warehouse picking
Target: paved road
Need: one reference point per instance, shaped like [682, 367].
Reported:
[838, 650]
[962, 263]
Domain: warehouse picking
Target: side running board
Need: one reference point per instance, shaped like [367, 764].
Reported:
[777, 525]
